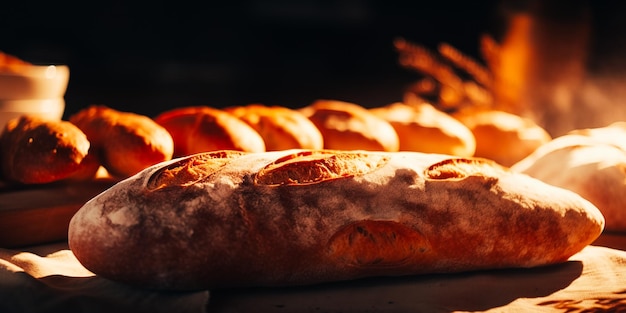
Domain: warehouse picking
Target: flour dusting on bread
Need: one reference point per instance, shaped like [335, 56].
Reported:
[299, 217]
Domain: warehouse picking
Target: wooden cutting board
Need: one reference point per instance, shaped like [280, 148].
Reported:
[32, 215]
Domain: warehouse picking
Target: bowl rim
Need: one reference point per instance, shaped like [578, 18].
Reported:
[34, 70]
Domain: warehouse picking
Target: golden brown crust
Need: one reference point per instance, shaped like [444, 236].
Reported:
[282, 128]
[291, 217]
[349, 126]
[201, 128]
[125, 142]
[423, 128]
[38, 151]
[501, 136]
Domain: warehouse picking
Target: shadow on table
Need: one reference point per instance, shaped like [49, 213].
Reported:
[476, 291]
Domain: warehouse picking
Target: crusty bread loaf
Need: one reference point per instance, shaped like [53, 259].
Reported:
[501, 136]
[38, 151]
[202, 128]
[590, 162]
[125, 142]
[231, 219]
[282, 128]
[349, 126]
[423, 128]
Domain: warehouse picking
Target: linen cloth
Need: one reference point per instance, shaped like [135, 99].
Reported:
[50, 279]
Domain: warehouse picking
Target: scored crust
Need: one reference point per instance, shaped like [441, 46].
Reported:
[303, 217]
[316, 166]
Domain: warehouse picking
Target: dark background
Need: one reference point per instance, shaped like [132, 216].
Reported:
[152, 57]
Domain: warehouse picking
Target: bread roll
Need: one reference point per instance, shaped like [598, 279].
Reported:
[38, 151]
[281, 128]
[349, 126]
[590, 162]
[202, 128]
[423, 128]
[230, 219]
[501, 136]
[125, 142]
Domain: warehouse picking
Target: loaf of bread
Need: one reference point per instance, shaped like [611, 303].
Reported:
[423, 128]
[590, 162]
[232, 219]
[349, 126]
[125, 142]
[280, 127]
[38, 151]
[202, 128]
[501, 136]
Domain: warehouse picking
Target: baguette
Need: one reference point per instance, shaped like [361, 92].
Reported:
[232, 219]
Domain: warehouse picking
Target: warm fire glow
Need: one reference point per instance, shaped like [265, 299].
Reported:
[539, 68]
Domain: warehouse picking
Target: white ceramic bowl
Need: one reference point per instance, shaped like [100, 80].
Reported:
[45, 108]
[34, 82]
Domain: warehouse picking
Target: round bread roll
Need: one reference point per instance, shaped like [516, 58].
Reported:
[501, 136]
[125, 142]
[38, 151]
[349, 126]
[203, 128]
[590, 162]
[281, 128]
[423, 128]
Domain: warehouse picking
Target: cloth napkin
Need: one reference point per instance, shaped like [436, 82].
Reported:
[50, 279]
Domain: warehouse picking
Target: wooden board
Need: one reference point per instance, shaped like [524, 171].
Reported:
[31, 215]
